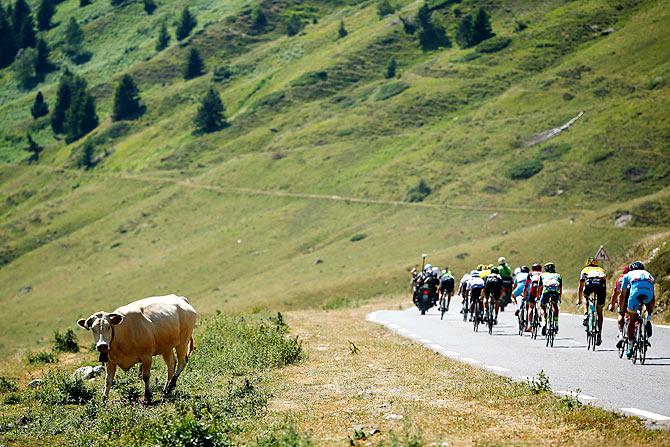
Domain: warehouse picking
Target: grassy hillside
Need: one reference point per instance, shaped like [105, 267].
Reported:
[322, 148]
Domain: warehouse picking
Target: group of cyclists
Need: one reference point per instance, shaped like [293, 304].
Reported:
[527, 287]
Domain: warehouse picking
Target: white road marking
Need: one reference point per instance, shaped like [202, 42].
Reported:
[470, 360]
[415, 336]
[497, 368]
[436, 346]
[384, 322]
[426, 341]
[371, 316]
[403, 330]
[450, 353]
[645, 414]
[393, 326]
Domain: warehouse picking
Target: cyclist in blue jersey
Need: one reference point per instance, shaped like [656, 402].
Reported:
[519, 283]
[637, 288]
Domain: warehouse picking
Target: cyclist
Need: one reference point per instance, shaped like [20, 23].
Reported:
[519, 286]
[507, 278]
[638, 287]
[475, 288]
[593, 281]
[618, 303]
[532, 291]
[494, 290]
[551, 290]
[463, 288]
[446, 285]
[485, 271]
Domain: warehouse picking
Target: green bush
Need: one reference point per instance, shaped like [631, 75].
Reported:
[554, 151]
[358, 237]
[7, 385]
[193, 433]
[283, 436]
[310, 78]
[525, 169]
[66, 342]
[390, 90]
[494, 44]
[60, 388]
[418, 192]
[42, 357]
[600, 155]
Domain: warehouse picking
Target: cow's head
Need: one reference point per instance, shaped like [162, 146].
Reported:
[100, 324]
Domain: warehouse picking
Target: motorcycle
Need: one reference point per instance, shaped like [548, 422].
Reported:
[424, 298]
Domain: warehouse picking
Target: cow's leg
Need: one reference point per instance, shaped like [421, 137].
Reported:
[170, 363]
[146, 373]
[182, 351]
[110, 372]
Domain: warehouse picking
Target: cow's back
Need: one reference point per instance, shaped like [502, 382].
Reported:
[156, 324]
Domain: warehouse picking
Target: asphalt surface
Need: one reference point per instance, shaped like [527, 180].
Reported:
[599, 378]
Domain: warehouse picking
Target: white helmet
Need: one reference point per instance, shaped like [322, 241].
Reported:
[517, 270]
[435, 271]
[502, 260]
[427, 268]
[474, 274]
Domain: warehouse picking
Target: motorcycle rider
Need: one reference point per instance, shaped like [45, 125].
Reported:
[506, 274]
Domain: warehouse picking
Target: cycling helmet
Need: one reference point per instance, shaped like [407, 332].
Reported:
[517, 270]
[474, 274]
[480, 267]
[549, 267]
[435, 271]
[525, 269]
[502, 260]
[494, 270]
[637, 265]
[626, 269]
[427, 268]
[537, 267]
[489, 266]
[591, 262]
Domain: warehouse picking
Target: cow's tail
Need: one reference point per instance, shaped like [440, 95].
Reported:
[191, 346]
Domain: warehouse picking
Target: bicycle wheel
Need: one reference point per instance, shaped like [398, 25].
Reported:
[443, 308]
[475, 317]
[535, 323]
[637, 343]
[594, 329]
[489, 312]
[622, 348]
[549, 319]
[465, 310]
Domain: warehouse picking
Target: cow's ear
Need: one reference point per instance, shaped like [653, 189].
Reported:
[115, 319]
[82, 323]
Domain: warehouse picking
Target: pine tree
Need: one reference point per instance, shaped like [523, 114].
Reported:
[24, 67]
[210, 116]
[85, 156]
[27, 37]
[80, 117]
[465, 32]
[83, 3]
[40, 107]
[45, 13]
[258, 19]
[33, 148]
[126, 100]
[384, 8]
[149, 6]
[481, 27]
[20, 13]
[186, 24]
[163, 38]
[63, 99]
[7, 49]
[342, 31]
[74, 37]
[294, 25]
[194, 65]
[391, 68]
[431, 35]
[42, 64]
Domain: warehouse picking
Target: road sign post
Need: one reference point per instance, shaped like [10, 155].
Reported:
[602, 256]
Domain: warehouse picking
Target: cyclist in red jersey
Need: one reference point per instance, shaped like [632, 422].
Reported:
[531, 291]
[617, 301]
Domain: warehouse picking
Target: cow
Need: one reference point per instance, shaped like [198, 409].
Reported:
[136, 332]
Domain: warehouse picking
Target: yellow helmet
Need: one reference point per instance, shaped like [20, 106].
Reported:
[480, 267]
[489, 266]
[591, 262]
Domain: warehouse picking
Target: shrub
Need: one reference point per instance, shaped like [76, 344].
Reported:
[294, 25]
[163, 39]
[284, 436]
[7, 385]
[554, 151]
[391, 68]
[390, 90]
[40, 107]
[66, 342]
[384, 8]
[524, 169]
[493, 45]
[600, 155]
[418, 192]
[59, 388]
[358, 237]
[42, 357]
[310, 78]
[192, 433]
[539, 384]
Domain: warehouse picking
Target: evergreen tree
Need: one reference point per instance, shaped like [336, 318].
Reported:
[85, 156]
[40, 107]
[294, 25]
[186, 24]
[149, 6]
[194, 65]
[342, 31]
[431, 35]
[465, 32]
[63, 98]
[24, 67]
[482, 26]
[74, 37]
[384, 8]
[45, 13]
[126, 100]
[42, 64]
[26, 37]
[83, 3]
[210, 116]
[20, 13]
[33, 148]
[80, 117]
[163, 38]
[7, 49]
[391, 68]
[258, 19]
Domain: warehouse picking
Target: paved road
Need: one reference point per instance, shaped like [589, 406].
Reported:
[599, 376]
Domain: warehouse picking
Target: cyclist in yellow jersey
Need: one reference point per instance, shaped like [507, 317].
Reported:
[593, 281]
[485, 271]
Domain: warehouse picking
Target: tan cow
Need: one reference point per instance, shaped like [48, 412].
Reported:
[136, 332]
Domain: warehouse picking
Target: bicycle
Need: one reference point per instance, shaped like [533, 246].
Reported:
[592, 332]
[640, 343]
[476, 314]
[534, 322]
[522, 318]
[490, 313]
[442, 306]
[622, 347]
[466, 308]
[551, 324]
